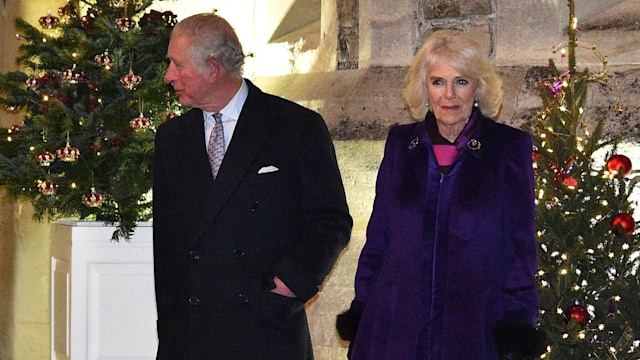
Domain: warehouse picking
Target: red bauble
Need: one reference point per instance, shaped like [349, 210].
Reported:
[578, 313]
[86, 22]
[619, 164]
[534, 155]
[625, 221]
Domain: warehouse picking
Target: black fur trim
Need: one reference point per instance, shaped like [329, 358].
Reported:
[347, 324]
[519, 341]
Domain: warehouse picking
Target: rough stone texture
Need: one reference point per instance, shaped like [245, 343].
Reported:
[362, 104]
[385, 30]
[617, 16]
[359, 161]
[438, 9]
[348, 35]
[357, 104]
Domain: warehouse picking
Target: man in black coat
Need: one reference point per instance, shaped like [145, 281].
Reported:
[238, 251]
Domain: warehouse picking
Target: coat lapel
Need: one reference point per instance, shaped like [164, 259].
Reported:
[481, 141]
[249, 135]
[196, 150]
[419, 159]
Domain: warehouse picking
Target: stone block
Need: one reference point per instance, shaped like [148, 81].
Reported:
[439, 9]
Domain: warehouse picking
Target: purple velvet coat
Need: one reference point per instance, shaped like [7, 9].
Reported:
[447, 255]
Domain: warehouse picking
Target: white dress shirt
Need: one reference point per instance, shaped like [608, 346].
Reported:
[230, 114]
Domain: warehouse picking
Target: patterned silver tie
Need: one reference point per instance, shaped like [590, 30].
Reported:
[216, 145]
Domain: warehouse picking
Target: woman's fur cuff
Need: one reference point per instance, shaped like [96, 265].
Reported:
[519, 341]
[347, 324]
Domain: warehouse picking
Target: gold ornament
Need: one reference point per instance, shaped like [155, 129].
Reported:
[68, 153]
[140, 123]
[47, 188]
[130, 81]
[94, 199]
[45, 158]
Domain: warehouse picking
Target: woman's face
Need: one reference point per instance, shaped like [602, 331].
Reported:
[451, 95]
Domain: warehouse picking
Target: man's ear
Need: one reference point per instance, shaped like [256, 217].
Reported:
[213, 68]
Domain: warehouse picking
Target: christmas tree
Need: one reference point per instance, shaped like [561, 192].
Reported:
[91, 93]
[588, 277]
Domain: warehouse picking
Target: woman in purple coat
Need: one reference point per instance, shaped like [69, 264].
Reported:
[447, 271]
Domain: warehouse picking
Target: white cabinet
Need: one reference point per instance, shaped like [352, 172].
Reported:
[102, 295]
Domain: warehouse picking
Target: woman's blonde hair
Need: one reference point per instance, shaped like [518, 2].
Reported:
[465, 55]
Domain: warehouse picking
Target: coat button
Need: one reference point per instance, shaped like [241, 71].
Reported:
[194, 255]
[243, 299]
[194, 300]
[238, 253]
[255, 206]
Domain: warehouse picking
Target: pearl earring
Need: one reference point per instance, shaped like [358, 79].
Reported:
[475, 103]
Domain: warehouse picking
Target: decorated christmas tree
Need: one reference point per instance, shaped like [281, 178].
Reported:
[588, 277]
[91, 92]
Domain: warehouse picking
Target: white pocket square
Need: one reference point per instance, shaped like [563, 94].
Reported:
[267, 169]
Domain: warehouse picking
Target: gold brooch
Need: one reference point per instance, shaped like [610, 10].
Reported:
[414, 143]
[474, 144]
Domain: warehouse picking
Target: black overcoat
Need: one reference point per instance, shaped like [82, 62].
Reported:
[276, 208]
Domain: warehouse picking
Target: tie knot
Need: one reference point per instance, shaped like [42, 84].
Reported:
[217, 117]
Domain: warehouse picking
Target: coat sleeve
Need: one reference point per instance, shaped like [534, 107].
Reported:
[520, 290]
[373, 253]
[161, 214]
[375, 249]
[326, 227]
[515, 333]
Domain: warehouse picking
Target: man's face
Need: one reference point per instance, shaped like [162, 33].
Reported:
[190, 83]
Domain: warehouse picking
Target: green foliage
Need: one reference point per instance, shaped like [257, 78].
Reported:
[70, 100]
[583, 259]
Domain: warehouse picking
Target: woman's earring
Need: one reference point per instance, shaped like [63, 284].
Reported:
[475, 103]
